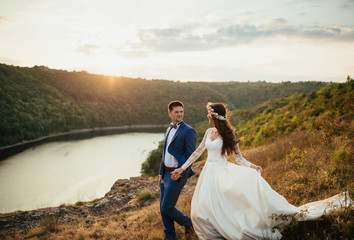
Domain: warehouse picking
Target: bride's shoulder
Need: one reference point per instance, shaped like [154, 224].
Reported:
[208, 130]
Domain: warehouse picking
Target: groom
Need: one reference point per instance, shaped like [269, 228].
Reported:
[179, 144]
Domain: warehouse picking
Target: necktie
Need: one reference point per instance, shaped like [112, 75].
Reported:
[173, 126]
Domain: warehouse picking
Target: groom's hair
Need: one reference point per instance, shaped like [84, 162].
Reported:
[173, 104]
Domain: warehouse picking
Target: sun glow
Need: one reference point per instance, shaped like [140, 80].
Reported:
[105, 63]
[206, 42]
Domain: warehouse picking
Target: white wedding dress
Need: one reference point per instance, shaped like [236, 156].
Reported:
[235, 202]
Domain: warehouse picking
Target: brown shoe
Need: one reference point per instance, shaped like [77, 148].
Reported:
[189, 233]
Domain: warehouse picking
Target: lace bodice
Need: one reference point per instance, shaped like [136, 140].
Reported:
[214, 151]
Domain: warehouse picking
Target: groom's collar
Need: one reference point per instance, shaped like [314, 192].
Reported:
[177, 124]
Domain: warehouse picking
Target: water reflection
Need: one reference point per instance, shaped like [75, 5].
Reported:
[66, 172]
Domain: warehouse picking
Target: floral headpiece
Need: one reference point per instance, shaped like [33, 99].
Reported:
[215, 114]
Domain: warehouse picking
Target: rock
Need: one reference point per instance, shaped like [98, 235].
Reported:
[115, 201]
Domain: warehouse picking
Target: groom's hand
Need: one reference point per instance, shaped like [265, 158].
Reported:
[160, 178]
[176, 173]
[175, 176]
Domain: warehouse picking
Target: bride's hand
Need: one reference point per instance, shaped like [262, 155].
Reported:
[258, 168]
[176, 173]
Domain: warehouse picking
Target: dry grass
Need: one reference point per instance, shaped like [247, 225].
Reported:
[142, 223]
[303, 167]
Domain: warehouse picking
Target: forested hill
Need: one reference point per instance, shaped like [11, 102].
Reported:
[39, 101]
[328, 110]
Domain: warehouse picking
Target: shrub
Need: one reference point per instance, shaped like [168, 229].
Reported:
[146, 195]
[50, 222]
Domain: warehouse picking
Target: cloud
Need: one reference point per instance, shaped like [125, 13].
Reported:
[343, 4]
[9, 61]
[346, 6]
[87, 49]
[3, 20]
[131, 54]
[198, 37]
[183, 41]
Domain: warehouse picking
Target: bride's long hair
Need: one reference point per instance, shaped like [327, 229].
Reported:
[225, 129]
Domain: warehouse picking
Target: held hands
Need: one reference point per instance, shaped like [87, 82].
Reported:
[176, 174]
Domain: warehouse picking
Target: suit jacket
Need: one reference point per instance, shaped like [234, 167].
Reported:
[181, 147]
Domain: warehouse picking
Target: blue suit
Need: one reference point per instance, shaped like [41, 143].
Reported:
[181, 147]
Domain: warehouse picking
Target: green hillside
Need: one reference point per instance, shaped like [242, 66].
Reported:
[328, 110]
[39, 101]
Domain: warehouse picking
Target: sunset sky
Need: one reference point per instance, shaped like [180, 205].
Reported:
[194, 40]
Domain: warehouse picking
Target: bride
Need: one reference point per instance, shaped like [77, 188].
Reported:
[234, 201]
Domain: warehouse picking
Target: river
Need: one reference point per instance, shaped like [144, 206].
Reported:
[64, 172]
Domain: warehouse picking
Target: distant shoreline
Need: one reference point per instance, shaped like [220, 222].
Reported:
[12, 149]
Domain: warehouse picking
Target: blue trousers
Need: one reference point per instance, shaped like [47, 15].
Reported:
[170, 191]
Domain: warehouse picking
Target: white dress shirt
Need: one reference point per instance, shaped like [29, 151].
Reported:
[170, 160]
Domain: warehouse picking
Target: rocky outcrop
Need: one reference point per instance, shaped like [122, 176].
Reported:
[124, 195]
